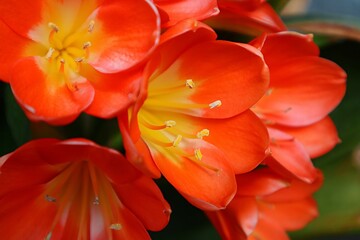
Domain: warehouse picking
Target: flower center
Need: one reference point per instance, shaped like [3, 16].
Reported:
[83, 195]
[173, 138]
[67, 53]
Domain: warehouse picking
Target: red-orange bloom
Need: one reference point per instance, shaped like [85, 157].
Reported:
[267, 205]
[59, 56]
[191, 122]
[174, 11]
[247, 16]
[75, 189]
[303, 89]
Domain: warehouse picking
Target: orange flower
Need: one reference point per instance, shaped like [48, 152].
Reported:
[267, 205]
[191, 122]
[247, 16]
[76, 189]
[59, 56]
[174, 11]
[303, 89]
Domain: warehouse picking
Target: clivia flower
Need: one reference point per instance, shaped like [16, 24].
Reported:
[267, 205]
[60, 57]
[303, 89]
[251, 17]
[191, 122]
[75, 189]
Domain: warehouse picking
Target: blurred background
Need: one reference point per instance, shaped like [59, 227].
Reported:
[336, 28]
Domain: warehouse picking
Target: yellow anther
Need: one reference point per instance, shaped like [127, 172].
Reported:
[177, 140]
[91, 26]
[115, 226]
[86, 45]
[53, 26]
[79, 59]
[203, 133]
[170, 123]
[190, 83]
[49, 53]
[215, 104]
[198, 154]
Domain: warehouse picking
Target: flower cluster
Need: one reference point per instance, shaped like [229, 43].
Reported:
[232, 126]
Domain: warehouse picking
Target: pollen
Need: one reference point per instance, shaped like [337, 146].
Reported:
[189, 83]
[170, 123]
[177, 140]
[91, 26]
[49, 53]
[53, 26]
[115, 226]
[215, 104]
[198, 154]
[86, 45]
[203, 133]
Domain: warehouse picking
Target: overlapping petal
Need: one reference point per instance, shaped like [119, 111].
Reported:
[249, 17]
[175, 11]
[78, 190]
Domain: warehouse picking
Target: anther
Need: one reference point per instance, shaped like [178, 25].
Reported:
[79, 59]
[50, 198]
[91, 26]
[53, 26]
[177, 140]
[86, 45]
[115, 226]
[190, 83]
[198, 154]
[215, 104]
[62, 65]
[203, 133]
[170, 123]
[49, 53]
[96, 201]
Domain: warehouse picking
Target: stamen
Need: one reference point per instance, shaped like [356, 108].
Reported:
[198, 154]
[62, 65]
[215, 104]
[94, 183]
[91, 26]
[49, 53]
[53, 26]
[50, 198]
[170, 123]
[86, 47]
[203, 133]
[177, 140]
[96, 201]
[115, 226]
[190, 83]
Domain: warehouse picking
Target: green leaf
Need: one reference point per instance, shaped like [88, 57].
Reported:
[16, 120]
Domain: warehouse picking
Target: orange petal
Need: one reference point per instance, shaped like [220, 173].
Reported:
[297, 189]
[297, 85]
[13, 47]
[208, 184]
[180, 10]
[291, 215]
[156, 212]
[224, 223]
[113, 92]
[243, 139]
[216, 68]
[318, 138]
[43, 94]
[267, 228]
[291, 155]
[21, 16]
[247, 17]
[280, 47]
[246, 213]
[260, 182]
[124, 35]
